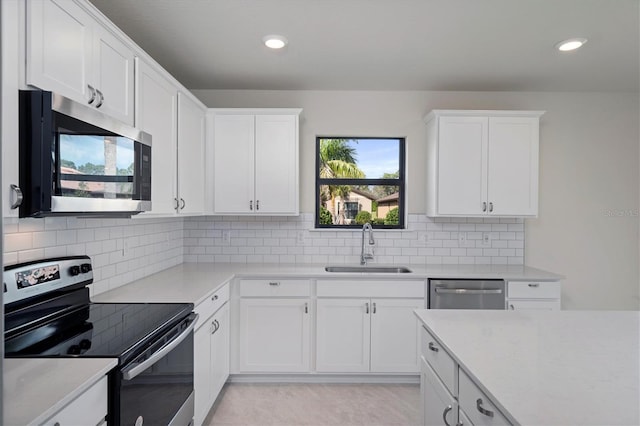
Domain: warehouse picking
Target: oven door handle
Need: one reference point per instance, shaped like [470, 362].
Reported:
[135, 370]
[467, 291]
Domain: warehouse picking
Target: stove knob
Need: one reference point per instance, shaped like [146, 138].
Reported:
[85, 344]
[74, 270]
[85, 267]
[74, 350]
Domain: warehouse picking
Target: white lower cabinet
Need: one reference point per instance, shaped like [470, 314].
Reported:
[539, 295]
[274, 335]
[367, 335]
[439, 407]
[90, 408]
[211, 352]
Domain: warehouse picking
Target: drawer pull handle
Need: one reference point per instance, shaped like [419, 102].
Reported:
[366, 307]
[534, 285]
[433, 347]
[512, 307]
[215, 297]
[484, 206]
[490, 207]
[306, 308]
[374, 307]
[274, 283]
[482, 410]
[444, 414]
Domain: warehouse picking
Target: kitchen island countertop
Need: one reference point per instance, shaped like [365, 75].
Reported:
[548, 368]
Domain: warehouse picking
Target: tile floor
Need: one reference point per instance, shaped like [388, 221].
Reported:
[316, 405]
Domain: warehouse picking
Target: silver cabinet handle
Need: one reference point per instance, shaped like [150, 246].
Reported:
[99, 104]
[432, 347]
[490, 207]
[511, 307]
[374, 307]
[534, 285]
[93, 94]
[484, 206]
[183, 204]
[482, 410]
[444, 414]
[17, 201]
[257, 204]
[306, 308]
[177, 203]
[366, 307]
[274, 283]
[216, 326]
[215, 297]
[251, 205]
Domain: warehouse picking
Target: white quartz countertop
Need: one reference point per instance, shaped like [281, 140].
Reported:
[34, 389]
[548, 368]
[193, 282]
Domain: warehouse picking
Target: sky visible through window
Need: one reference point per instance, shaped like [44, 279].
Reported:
[376, 157]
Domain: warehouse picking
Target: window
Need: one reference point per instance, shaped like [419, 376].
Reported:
[360, 180]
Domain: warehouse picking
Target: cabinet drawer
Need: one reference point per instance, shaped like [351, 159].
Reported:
[441, 362]
[533, 305]
[475, 404]
[90, 408]
[275, 288]
[211, 304]
[534, 289]
[386, 288]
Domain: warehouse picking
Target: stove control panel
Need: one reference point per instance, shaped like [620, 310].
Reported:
[30, 279]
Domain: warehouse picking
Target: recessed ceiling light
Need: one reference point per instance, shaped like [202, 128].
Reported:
[570, 44]
[275, 41]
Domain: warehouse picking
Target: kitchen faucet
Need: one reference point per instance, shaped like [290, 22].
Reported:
[366, 256]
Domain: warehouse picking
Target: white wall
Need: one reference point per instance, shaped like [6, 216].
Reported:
[589, 161]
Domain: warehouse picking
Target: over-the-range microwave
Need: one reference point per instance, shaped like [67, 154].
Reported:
[76, 161]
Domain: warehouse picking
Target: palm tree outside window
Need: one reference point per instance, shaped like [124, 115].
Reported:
[352, 174]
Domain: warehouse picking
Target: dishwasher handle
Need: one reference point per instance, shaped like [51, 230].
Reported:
[442, 290]
[137, 368]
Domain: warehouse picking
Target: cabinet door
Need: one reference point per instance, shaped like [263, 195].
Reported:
[9, 128]
[202, 370]
[462, 159]
[274, 335]
[59, 44]
[513, 166]
[220, 351]
[439, 407]
[156, 113]
[113, 75]
[191, 140]
[276, 180]
[395, 335]
[343, 335]
[234, 167]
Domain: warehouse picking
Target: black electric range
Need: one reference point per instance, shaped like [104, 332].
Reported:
[48, 313]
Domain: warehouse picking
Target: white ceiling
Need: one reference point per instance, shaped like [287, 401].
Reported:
[491, 45]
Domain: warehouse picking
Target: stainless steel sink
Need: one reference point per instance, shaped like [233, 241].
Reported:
[370, 269]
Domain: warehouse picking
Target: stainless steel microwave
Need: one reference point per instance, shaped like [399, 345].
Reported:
[76, 161]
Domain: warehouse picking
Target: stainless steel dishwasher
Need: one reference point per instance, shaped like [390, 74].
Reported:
[466, 294]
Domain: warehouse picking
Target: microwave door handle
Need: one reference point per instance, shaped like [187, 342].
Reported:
[467, 291]
[132, 372]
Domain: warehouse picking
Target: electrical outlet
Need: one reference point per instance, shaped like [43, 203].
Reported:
[486, 239]
[226, 236]
[462, 237]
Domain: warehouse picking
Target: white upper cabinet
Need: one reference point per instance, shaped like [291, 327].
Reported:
[255, 161]
[71, 53]
[191, 155]
[482, 163]
[157, 114]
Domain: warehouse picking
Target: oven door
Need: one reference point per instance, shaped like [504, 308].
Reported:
[156, 388]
